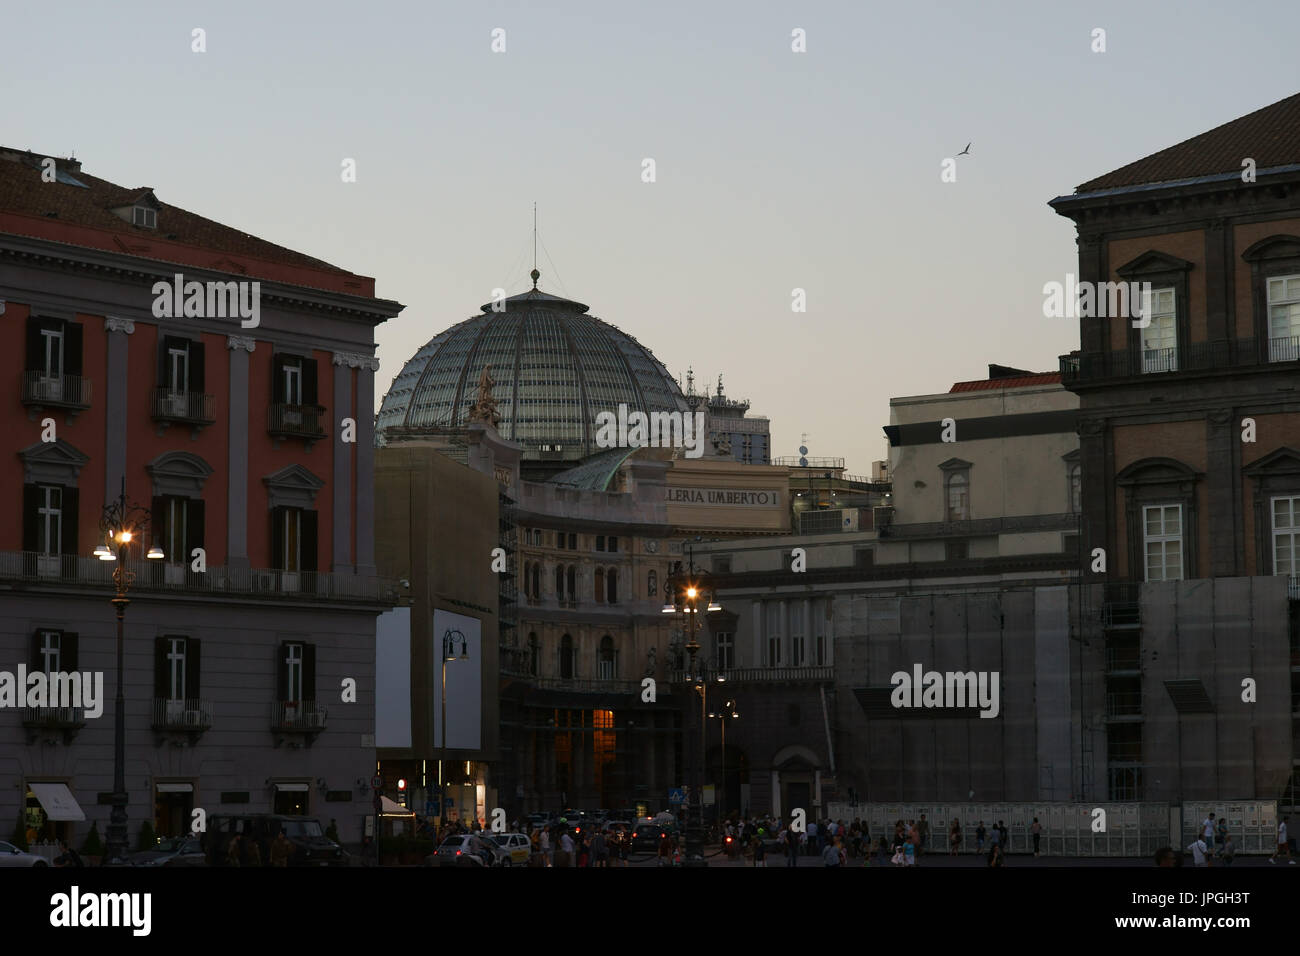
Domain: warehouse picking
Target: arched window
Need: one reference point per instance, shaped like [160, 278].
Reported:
[958, 495]
[573, 583]
[600, 585]
[652, 584]
[537, 581]
[559, 582]
[606, 661]
[566, 656]
[611, 586]
[534, 652]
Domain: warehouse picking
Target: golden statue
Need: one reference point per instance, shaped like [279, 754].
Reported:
[485, 407]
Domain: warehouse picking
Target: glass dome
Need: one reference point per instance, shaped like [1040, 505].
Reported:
[555, 367]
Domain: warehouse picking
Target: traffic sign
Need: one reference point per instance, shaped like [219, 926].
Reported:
[677, 795]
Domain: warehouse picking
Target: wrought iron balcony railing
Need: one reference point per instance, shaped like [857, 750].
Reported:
[55, 391]
[32, 569]
[189, 715]
[1193, 356]
[300, 716]
[296, 421]
[193, 408]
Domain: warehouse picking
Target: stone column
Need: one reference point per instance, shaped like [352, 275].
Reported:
[365, 475]
[240, 348]
[757, 659]
[115, 389]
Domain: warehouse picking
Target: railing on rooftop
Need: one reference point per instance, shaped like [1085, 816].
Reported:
[39, 570]
[809, 463]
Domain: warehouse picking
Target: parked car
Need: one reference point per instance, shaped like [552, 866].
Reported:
[647, 837]
[10, 855]
[310, 845]
[176, 851]
[513, 849]
[463, 849]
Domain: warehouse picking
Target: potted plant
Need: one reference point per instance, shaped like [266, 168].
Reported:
[92, 851]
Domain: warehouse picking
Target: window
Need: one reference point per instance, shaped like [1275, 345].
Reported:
[573, 542]
[611, 586]
[537, 581]
[53, 652]
[293, 380]
[534, 653]
[1284, 319]
[1163, 542]
[293, 383]
[956, 550]
[178, 526]
[774, 651]
[600, 585]
[600, 542]
[52, 342]
[49, 526]
[796, 651]
[143, 216]
[821, 650]
[176, 668]
[293, 539]
[1160, 337]
[613, 543]
[606, 662]
[573, 583]
[1286, 535]
[722, 564]
[559, 540]
[53, 349]
[296, 679]
[958, 495]
[652, 584]
[726, 644]
[1076, 488]
[566, 657]
[559, 582]
[178, 367]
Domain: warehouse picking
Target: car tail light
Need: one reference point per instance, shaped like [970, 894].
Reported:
[458, 852]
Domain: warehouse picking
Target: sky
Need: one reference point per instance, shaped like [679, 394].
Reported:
[774, 170]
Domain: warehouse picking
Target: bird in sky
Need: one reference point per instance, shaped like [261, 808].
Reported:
[966, 151]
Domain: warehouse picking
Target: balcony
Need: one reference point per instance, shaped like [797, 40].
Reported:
[769, 675]
[29, 569]
[187, 716]
[588, 685]
[296, 421]
[55, 391]
[42, 721]
[1087, 367]
[297, 718]
[185, 408]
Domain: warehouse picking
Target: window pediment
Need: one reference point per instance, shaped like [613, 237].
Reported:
[1156, 471]
[1282, 463]
[179, 473]
[55, 462]
[954, 464]
[1273, 247]
[1151, 264]
[292, 487]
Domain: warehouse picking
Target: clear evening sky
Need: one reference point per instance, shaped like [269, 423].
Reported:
[775, 170]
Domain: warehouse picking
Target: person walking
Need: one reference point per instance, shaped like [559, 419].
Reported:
[1036, 831]
[980, 833]
[792, 847]
[1199, 851]
[923, 834]
[1207, 830]
[1283, 845]
[954, 837]
[233, 851]
[995, 855]
[830, 855]
[600, 850]
[995, 839]
[1227, 849]
[760, 852]
[281, 850]
[544, 844]
[564, 856]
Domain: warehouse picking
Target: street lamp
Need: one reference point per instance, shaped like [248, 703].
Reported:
[121, 523]
[728, 712]
[449, 642]
[686, 593]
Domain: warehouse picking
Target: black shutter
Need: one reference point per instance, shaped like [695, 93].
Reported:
[197, 380]
[164, 367]
[36, 662]
[277, 538]
[277, 378]
[281, 671]
[192, 659]
[161, 688]
[31, 523]
[194, 513]
[71, 349]
[70, 500]
[35, 346]
[158, 523]
[308, 531]
[68, 651]
[309, 381]
[309, 672]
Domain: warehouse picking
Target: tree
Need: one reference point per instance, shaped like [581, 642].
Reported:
[148, 840]
[93, 846]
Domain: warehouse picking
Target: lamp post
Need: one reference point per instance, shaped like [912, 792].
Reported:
[449, 642]
[122, 523]
[728, 712]
[686, 593]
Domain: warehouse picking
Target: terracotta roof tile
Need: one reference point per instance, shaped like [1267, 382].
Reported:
[23, 192]
[1019, 381]
[1270, 136]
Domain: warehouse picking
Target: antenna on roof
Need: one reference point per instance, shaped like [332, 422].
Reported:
[535, 274]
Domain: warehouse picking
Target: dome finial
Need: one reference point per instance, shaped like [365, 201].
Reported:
[536, 275]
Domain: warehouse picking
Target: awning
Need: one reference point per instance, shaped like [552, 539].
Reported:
[58, 801]
[175, 787]
[292, 787]
[394, 809]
